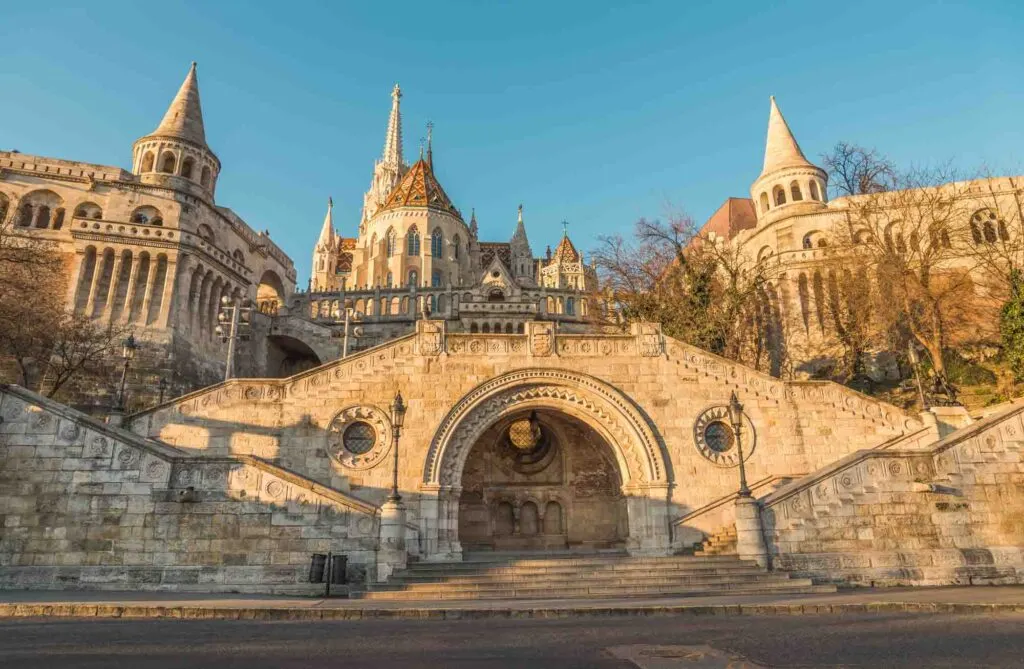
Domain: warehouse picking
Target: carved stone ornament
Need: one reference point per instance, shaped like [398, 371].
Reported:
[542, 339]
[715, 438]
[359, 437]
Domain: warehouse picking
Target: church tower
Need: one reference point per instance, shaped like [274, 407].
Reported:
[176, 155]
[391, 167]
[789, 183]
[521, 254]
[325, 254]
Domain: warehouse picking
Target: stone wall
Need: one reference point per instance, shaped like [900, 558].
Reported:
[948, 513]
[85, 505]
[643, 392]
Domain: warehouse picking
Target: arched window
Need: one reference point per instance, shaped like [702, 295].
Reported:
[167, 163]
[147, 162]
[808, 242]
[764, 203]
[238, 256]
[435, 279]
[794, 189]
[88, 210]
[814, 238]
[412, 242]
[570, 306]
[389, 280]
[988, 228]
[204, 179]
[487, 328]
[780, 195]
[414, 278]
[389, 243]
[764, 253]
[456, 244]
[474, 328]
[814, 190]
[186, 168]
[436, 243]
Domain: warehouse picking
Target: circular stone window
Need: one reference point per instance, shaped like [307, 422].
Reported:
[716, 440]
[359, 437]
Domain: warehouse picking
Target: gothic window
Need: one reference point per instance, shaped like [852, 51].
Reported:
[814, 190]
[186, 168]
[570, 306]
[414, 278]
[436, 243]
[412, 242]
[795, 191]
[167, 162]
[147, 162]
[780, 195]
[435, 279]
[764, 203]
[389, 280]
[389, 243]
[456, 243]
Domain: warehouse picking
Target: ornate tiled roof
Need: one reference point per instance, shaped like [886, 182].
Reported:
[490, 249]
[420, 188]
[348, 243]
[565, 252]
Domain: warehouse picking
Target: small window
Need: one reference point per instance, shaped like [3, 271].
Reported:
[435, 279]
[794, 189]
[187, 167]
[204, 179]
[147, 162]
[436, 243]
[414, 278]
[764, 203]
[389, 245]
[780, 195]
[389, 281]
[814, 191]
[167, 163]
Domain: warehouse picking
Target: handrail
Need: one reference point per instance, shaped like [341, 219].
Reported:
[730, 497]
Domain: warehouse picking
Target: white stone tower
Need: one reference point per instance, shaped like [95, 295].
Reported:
[789, 183]
[391, 167]
[521, 254]
[325, 254]
[176, 154]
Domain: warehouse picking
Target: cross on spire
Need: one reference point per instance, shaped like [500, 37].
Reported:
[565, 228]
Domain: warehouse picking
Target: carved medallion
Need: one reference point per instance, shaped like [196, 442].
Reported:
[715, 438]
[359, 437]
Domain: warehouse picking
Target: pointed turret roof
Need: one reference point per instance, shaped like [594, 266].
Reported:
[420, 188]
[781, 149]
[565, 252]
[327, 232]
[519, 236]
[184, 118]
[393, 139]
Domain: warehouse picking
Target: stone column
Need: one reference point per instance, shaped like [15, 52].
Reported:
[167, 303]
[97, 274]
[115, 281]
[750, 532]
[147, 297]
[391, 553]
[129, 295]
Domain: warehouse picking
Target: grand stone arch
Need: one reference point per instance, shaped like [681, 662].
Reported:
[638, 450]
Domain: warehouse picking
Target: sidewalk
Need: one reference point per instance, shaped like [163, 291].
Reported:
[976, 599]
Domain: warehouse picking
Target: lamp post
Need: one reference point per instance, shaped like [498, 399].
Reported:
[162, 387]
[736, 418]
[397, 420]
[128, 347]
[234, 315]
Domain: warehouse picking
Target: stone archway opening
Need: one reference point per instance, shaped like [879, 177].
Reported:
[541, 480]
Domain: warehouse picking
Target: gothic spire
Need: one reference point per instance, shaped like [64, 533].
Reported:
[184, 118]
[327, 232]
[781, 149]
[393, 139]
[519, 236]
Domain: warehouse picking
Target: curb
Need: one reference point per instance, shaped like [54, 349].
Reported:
[245, 613]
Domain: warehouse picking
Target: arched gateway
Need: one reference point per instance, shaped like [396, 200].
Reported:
[544, 459]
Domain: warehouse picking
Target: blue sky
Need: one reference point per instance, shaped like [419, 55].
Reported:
[596, 113]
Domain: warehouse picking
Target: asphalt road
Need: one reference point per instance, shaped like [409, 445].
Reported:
[880, 640]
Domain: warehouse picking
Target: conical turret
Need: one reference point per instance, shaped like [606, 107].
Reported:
[522, 254]
[327, 231]
[178, 148]
[788, 182]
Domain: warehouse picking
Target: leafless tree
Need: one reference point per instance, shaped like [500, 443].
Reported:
[855, 170]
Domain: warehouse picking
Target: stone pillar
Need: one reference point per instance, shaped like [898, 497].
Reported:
[391, 553]
[97, 274]
[114, 287]
[750, 532]
[129, 295]
[170, 294]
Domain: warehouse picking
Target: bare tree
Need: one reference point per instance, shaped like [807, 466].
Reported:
[914, 242]
[855, 170]
[702, 290]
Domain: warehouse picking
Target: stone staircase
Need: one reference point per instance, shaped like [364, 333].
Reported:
[551, 577]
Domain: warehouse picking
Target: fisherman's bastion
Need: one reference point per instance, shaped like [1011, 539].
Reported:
[430, 405]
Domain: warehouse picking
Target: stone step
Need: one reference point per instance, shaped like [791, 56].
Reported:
[572, 562]
[793, 587]
[456, 583]
[731, 566]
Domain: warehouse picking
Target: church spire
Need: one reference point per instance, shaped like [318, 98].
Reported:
[184, 118]
[520, 234]
[393, 139]
[327, 232]
[781, 149]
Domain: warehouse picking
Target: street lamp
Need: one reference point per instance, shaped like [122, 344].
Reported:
[128, 347]
[397, 420]
[235, 316]
[736, 418]
[351, 315]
